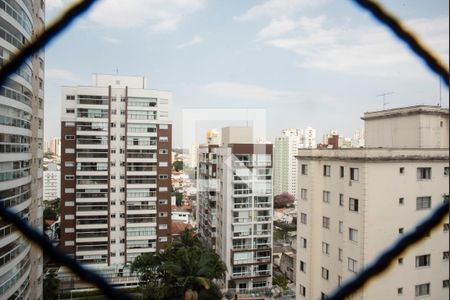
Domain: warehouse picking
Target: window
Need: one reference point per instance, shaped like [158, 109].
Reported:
[69, 177]
[69, 217]
[69, 230]
[162, 226]
[163, 214]
[163, 176]
[70, 111]
[341, 226]
[69, 150]
[354, 174]
[340, 254]
[303, 218]
[163, 126]
[70, 97]
[70, 124]
[304, 194]
[422, 289]
[327, 170]
[302, 266]
[325, 273]
[163, 189]
[353, 204]
[445, 255]
[423, 203]
[303, 242]
[326, 196]
[162, 238]
[69, 164]
[445, 227]
[445, 284]
[69, 137]
[325, 248]
[401, 230]
[401, 201]
[352, 265]
[163, 164]
[342, 171]
[326, 222]
[402, 170]
[162, 202]
[339, 280]
[69, 243]
[353, 234]
[323, 296]
[163, 139]
[400, 261]
[304, 169]
[302, 291]
[400, 291]
[341, 199]
[423, 173]
[163, 151]
[423, 260]
[445, 171]
[69, 190]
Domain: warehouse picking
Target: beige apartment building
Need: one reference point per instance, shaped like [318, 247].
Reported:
[353, 203]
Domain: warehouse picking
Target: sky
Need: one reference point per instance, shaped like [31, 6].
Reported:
[318, 63]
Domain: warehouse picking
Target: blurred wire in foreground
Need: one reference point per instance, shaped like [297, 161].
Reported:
[60, 256]
[406, 35]
[385, 259]
[44, 38]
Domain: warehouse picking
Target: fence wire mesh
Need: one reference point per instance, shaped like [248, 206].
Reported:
[376, 268]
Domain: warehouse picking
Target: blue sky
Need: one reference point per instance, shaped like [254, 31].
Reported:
[318, 63]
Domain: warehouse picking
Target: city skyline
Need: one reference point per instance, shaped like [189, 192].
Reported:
[256, 55]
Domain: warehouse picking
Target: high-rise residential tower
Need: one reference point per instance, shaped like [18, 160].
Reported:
[354, 203]
[21, 149]
[115, 170]
[235, 206]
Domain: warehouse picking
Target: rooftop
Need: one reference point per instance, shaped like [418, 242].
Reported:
[405, 111]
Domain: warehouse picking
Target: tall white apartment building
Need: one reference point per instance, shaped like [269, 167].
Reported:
[285, 163]
[55, 146]
[115, 170]
[235, 206]
[21, 149]
[354, 203]
[52, 182]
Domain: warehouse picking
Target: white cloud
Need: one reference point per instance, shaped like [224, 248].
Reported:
[61, 75]
[276, 28]
[361, 50]
[159, 15]
[277, 8]
[235, 90]
[52, 4]
[110, 40]
[194, 41]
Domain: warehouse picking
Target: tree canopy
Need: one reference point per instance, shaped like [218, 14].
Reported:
[187, 269]
[284, 200]
[178, 165]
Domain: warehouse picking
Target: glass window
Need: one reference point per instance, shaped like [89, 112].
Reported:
[422, 289]
[354, 174]
[423, 173]
[353, 204]
[423, 202]
[423, 260]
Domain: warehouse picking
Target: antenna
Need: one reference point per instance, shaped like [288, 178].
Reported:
[384, 98]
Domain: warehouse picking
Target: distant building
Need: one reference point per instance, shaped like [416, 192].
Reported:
[235, 206]
[213, 137]
[181, 215]
[354, 203]
[55, 146]
[52, 182]
[285, 164]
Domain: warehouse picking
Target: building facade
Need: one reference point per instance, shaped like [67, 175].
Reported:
[354, 203]
[235, 206]
[21, 149]
[52, 182]
[115, 171]
[285, 163]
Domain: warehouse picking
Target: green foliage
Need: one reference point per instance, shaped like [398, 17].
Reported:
[50, 287]
[178, 198]
[187, 266]
[177, 165]
[50, 214]
[281, 281]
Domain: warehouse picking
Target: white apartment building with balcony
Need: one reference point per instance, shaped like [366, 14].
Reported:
[115, 170]
[354, 203]
[52, 182]
[235, 206]
[21, 149]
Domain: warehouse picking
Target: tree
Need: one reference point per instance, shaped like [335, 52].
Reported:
[50, 287]
[178, 198]
[177, 165]
[50, 214]
[187, 269]
[280, 280]
[284, 200]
